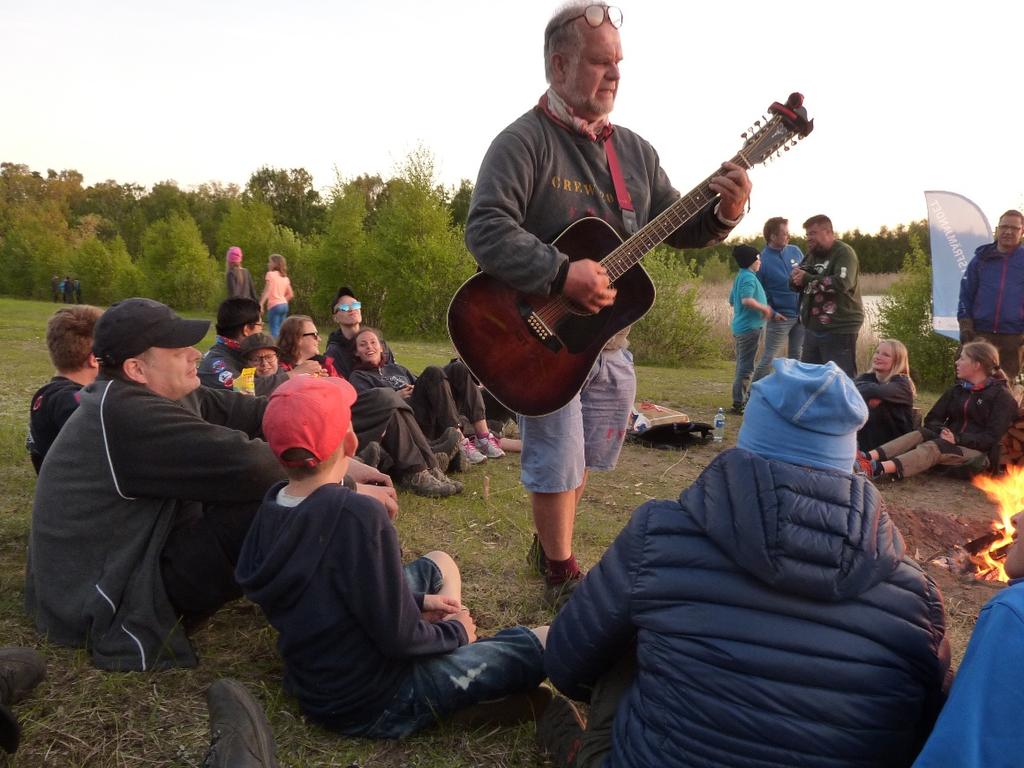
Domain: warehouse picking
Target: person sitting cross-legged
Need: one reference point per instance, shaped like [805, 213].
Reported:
[371, 648]
[961, 432]
[769, 616]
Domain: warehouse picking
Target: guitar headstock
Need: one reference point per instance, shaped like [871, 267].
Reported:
[788, 125]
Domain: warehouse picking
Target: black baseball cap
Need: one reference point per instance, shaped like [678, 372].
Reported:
[130, 327]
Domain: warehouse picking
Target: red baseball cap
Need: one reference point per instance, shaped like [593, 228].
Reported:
[309, 412]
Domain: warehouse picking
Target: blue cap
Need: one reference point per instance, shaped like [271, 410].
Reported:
[804, 414]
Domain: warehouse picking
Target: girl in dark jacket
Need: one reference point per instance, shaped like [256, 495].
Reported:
[963, 429]
[889, 393]
[436, 403]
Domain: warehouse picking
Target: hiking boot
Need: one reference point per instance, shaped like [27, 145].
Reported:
[489, 446]
[556, 594]
[21, 670]
[423, 483]
[440, 475]
[444, 461]
[535, 558]
[560, 731]
[470, 453]
[513, 709]
[240, 736]
[370, 454]
[448, 442]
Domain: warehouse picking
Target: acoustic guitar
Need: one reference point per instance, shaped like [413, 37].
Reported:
[534, 352]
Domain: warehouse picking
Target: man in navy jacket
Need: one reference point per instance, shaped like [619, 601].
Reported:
[767, 617]
[992, 294]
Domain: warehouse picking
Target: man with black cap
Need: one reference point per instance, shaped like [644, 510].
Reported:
[140, 514]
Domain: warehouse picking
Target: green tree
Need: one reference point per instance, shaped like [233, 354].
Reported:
[340, 256]
[163, 200]
[35, 247]
[459, 205]
[417, 258]
[120, 211]
[675, 332]
[291, 195]
[906, 314]
[106, 271]
[209, 204]
[178, 268]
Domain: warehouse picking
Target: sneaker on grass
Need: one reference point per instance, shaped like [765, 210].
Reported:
[489, 446]
[470, 453]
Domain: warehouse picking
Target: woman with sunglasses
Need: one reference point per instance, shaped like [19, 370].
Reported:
[299, 342]
[408, 457]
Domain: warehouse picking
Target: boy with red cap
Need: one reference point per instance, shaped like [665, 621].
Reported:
[371, 648]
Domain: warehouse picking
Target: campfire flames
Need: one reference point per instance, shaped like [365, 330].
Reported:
[990, 550]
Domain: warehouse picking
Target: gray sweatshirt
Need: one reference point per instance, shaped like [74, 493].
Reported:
[538, 177]
[123, 467]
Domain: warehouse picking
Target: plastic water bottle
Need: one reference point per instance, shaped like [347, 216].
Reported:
[719, 433]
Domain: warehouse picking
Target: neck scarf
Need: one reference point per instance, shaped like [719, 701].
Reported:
[562, 113]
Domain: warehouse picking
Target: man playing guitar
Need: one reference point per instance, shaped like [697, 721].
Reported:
[562, 161]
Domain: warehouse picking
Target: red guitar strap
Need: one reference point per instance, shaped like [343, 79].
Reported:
[621, 193]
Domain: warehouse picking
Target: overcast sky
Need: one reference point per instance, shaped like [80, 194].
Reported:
[906, 96]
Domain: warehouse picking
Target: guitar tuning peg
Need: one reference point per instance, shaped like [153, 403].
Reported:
[757, 123]
[743, 135]
[786, 148]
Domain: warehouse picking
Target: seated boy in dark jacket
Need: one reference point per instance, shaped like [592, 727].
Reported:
[371, 648]
[767, 617]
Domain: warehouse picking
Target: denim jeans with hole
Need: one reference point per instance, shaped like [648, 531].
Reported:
[435, 686]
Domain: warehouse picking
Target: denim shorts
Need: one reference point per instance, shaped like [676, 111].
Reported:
[435, 686]
[585, 434]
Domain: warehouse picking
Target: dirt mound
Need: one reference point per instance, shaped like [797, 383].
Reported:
[929, 534]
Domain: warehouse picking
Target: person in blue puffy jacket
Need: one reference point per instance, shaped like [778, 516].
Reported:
[769, 616]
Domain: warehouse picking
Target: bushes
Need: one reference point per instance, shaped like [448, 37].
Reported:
[906, 314]
[674, 332]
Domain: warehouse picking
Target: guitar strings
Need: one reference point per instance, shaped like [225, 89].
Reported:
[629, 253]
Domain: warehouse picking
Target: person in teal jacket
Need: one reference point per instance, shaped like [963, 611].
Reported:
[980, 724]
[750, 310]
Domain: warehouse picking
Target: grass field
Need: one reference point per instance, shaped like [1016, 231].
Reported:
[82, 717]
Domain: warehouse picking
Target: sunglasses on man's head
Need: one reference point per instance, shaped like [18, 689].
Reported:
[347, 307]
[596, 14]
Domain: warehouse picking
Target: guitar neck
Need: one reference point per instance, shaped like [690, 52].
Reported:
[659, 229]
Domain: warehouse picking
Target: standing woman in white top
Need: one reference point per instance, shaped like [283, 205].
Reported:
[276, 293]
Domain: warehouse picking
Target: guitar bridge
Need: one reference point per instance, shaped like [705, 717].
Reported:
[539, 328]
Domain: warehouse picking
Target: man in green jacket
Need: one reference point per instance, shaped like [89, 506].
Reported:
[830, 304]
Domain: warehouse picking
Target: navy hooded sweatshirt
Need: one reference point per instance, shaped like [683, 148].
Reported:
[328, 575]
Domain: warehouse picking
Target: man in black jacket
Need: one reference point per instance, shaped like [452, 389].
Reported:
[145, 497]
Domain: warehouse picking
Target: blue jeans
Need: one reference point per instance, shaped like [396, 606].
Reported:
[585, 434]
[435, 686]
[776, 335]
[746, 350]
[275, 316]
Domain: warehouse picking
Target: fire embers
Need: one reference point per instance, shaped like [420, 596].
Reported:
[984, 557]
